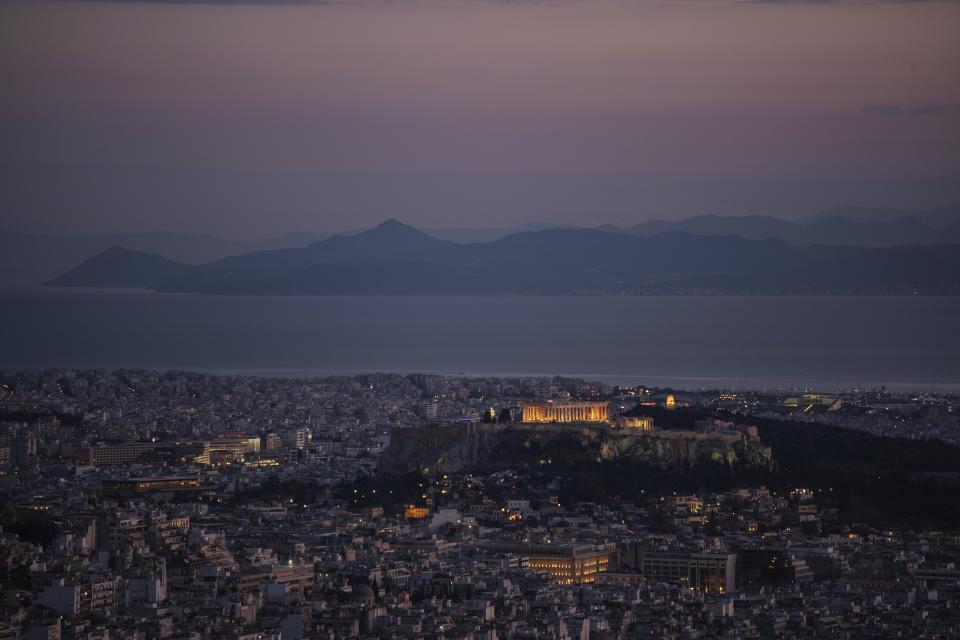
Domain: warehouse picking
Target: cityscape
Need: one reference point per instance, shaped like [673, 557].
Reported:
[479, 320]
[140, 504]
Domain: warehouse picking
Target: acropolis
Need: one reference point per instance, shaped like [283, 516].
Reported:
[565, 411]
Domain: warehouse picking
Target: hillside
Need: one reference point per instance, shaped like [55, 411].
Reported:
[396, 259]
[32, 258]
[880, 480]
[937, 218]
[558, 447]
[119, 267]
[836, 229]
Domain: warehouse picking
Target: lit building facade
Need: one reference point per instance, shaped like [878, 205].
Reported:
[413, 512]
[565, 411]
[133, 486]
[568, 564]
[629, 422]
[574, 565]
[224, 451]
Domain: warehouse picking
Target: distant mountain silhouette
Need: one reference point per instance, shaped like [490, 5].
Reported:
[751, 227]
[29, 258]
[119, 267]
[836, 230]
[466, 235]
[389, 240]
[935, 218]
[396, 259]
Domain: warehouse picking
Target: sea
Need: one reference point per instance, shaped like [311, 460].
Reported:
[905, 343]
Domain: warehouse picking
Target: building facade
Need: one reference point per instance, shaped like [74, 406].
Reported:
[567, 563]
[565, 411]
[630, 422]
[706, 572]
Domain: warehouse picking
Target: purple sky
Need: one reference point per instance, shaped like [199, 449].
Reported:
[249, 119]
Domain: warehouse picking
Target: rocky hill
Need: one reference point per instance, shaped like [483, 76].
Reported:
[554, 447]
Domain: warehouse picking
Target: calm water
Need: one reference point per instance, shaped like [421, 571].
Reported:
[691, 342]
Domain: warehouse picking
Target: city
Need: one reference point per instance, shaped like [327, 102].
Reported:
[479, 320]
[139, 504]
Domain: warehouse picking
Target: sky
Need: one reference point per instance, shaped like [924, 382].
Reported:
[245, 119]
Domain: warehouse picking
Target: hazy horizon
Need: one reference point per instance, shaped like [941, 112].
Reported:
[268, 117]
[231, 235]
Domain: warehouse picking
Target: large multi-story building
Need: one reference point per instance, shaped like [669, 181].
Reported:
[572, 565]
[565, 411]
[131, 486]
[114, 454]
[413, 512]
[707, 572]
[105, 455]
[68, 597]
[217, 451]
[168, 532]
[226, 450]
[567, 563]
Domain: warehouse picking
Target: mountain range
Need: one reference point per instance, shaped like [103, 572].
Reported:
[30, 258]
[397, 259]
[852, 226]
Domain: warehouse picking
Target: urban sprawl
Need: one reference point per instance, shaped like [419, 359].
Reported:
[142, 505]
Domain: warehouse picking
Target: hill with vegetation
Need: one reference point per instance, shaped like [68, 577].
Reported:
[883, 481]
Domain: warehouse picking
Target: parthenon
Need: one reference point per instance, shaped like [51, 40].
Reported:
[565, 411]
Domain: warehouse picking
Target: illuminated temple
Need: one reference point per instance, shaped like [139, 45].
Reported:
[566, 411]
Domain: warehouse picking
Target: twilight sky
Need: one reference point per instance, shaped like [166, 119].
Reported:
[246, 119]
